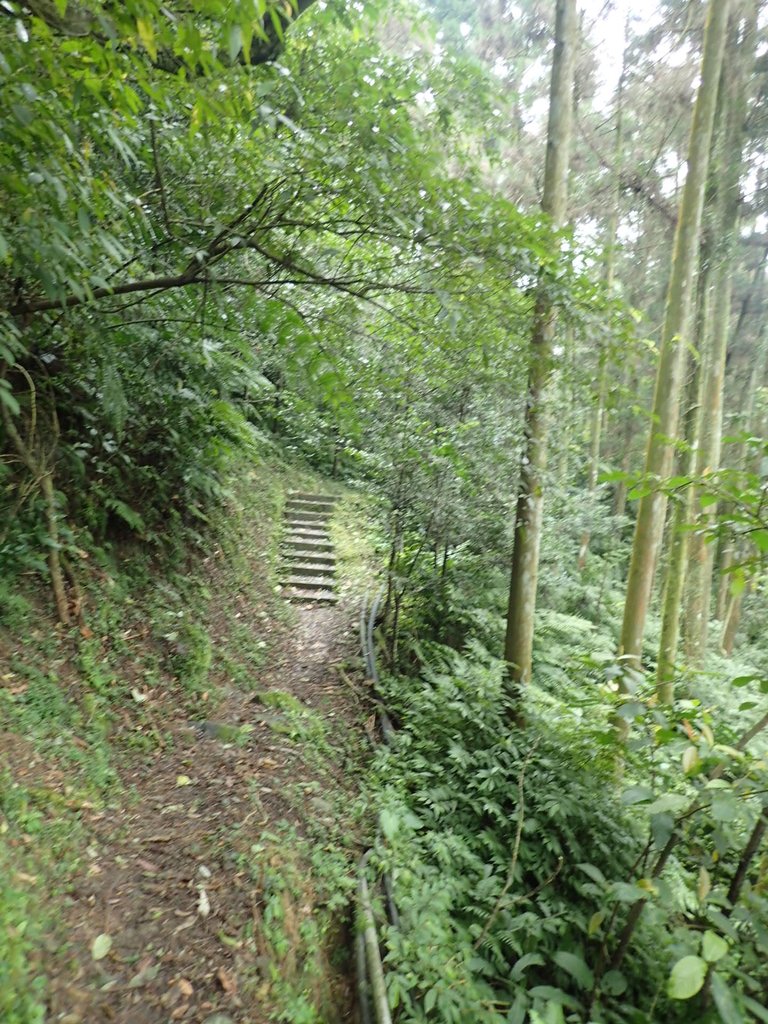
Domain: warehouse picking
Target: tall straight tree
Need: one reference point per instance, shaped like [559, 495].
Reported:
[518, 645]
[599, 407]
[729, 170]
[677, 316]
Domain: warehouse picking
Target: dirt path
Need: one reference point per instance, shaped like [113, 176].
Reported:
[178, 873]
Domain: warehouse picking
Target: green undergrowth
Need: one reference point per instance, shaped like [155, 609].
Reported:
[306, 882]
[358, 545]
[518, 848]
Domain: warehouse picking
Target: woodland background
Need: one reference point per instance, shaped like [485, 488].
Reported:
[526, 317]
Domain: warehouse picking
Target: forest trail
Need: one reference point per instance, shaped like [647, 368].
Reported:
[182, 874]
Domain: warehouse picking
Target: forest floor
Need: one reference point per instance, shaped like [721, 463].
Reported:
[208, 878]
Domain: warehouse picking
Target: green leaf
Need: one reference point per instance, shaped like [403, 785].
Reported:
[743, 680]
[636, 795]
[576, 967]
[668, 802]
[555, 995]
[687, 977]
[724, 1001]
[614, 983]
[725, 806]
[126, 513]
[753, 1006]
[389, 822]
[662, 827]
[738, 583]
[594, 873]
[147, 36]
[234, 41]
[713, 947]
[595, 921]
[526, 961]
[553, 1014]
[7, 399]
[631, 710]
[100, 946]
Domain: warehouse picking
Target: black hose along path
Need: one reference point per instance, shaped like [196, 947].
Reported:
[372, 994]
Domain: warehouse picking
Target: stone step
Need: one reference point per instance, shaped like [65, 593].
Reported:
[320, 559]
[326, 505]
[302, 568]
[311, 596]
[308, 535]
[308, 545]
[294, 524]
[309, 583]
[306, 496]
[307, 515]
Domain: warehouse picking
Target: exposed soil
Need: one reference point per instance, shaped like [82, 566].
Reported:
[172, 878]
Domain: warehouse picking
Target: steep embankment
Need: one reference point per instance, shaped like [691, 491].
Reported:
[180, 786]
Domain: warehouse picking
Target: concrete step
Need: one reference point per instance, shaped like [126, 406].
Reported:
[305, 534]
[306, 515]
[308, 546]
[304, 527]
[320, 559]
[310, 596]
[309, 583]
[310, 505]
[306, 496]
[295, 565]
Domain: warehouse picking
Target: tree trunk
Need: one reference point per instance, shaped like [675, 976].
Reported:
[666, 667]
[598, 412]
[518, 644]
[666, 403]
[54, 560]
[710, 421]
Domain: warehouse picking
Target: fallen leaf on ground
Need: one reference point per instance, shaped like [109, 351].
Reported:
[185, 987]
[203, 904]
[227, 981]
[148, 974]
[100, 946]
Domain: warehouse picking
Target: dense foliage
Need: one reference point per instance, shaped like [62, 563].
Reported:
[238, 230]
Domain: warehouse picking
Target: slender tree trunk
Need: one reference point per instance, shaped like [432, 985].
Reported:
[750, 850]
[54, 559]
[598, 411]
[619, 504]
[666, 667]
[525, 555]
[729, 604]
[666, 403]
[710, 421]
[725, 561]
[732, 621]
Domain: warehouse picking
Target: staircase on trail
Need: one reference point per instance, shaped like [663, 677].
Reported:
[309, 564]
